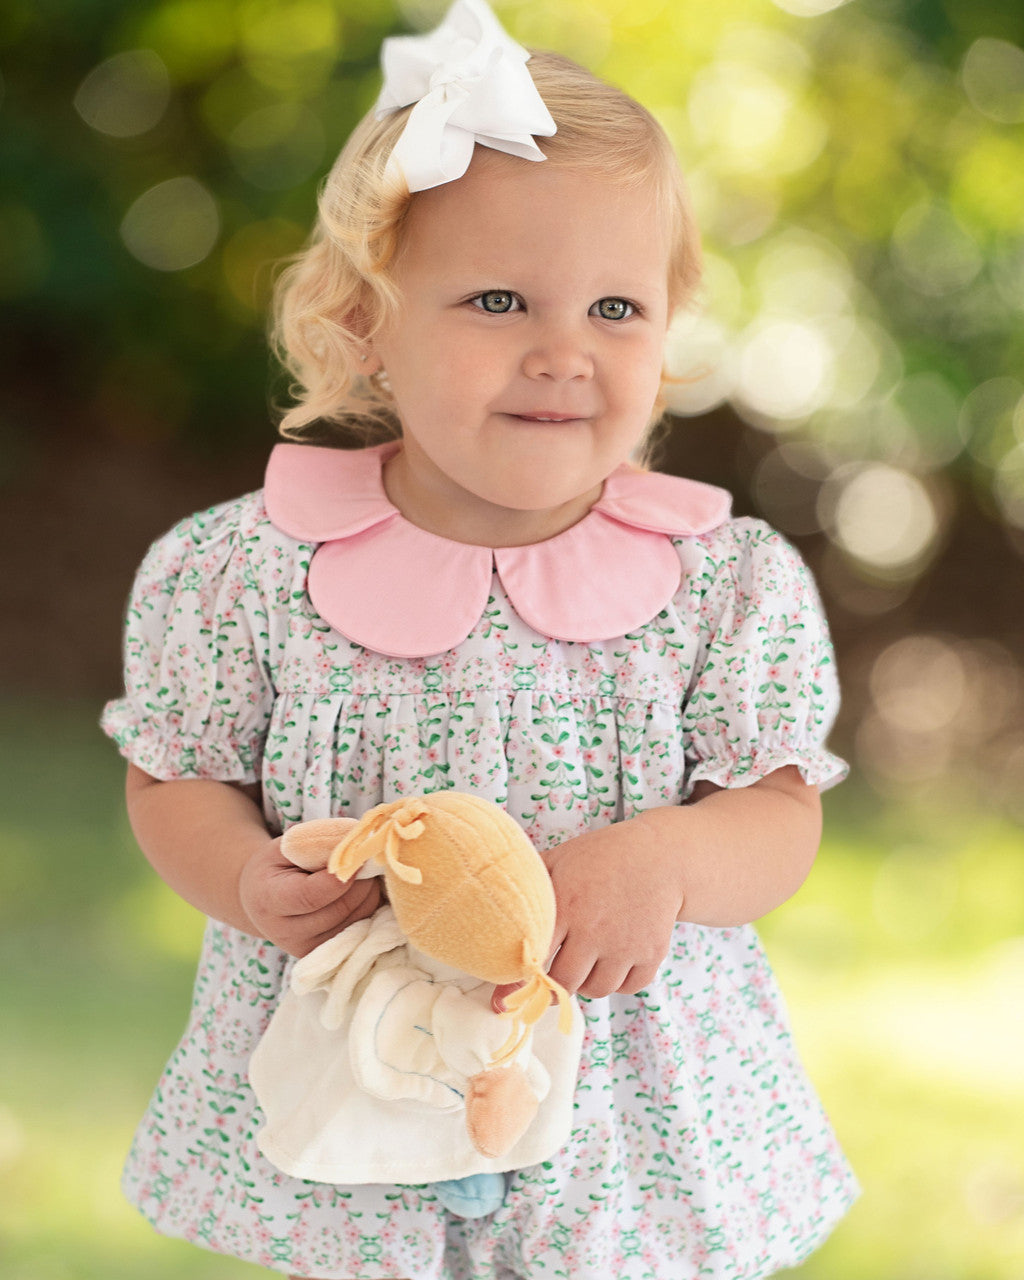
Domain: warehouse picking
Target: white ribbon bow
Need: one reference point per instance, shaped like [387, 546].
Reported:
[469, 81]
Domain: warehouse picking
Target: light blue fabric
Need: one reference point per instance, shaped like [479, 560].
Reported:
[472, 1197]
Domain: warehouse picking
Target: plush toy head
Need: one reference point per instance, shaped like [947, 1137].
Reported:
[468, 888]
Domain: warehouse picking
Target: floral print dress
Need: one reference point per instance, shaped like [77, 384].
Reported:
[699, 1147]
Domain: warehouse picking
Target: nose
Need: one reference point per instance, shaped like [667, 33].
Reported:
[558, 353]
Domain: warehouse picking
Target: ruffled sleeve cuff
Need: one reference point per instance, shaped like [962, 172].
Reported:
[818, 767]
[198, 689]
[171, 754]
[765, 694]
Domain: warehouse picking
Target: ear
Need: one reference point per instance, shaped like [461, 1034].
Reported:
[309, 844]
[369, 362]
[359, 325]
[348, 855]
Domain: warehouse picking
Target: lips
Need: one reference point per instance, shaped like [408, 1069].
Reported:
[542, 416]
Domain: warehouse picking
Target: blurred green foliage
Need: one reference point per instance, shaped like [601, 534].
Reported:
[902, 960]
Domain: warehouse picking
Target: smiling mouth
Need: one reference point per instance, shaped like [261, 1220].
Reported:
[547, 417]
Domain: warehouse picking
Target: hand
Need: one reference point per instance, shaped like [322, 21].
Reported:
[296, 909]
[618, 893]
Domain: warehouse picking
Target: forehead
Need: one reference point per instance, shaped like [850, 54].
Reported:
[537, 218]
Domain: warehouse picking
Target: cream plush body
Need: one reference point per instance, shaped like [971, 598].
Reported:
[385, 1061]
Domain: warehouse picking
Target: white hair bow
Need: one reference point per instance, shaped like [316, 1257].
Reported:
[469, 81]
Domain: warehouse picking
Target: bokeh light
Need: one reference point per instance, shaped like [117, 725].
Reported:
[946, 713]
[249, 255]
[279, 146]
[808, 8]
[748, 119]
[932, 250]
[172, 226]
[882, 516]
[804, 275]
[290, 47]
[931, 410]
[993, 79]
[919, 684]
[1009, 486]
[700, 365]
[989, 419]
[126, 95]
[786, 370]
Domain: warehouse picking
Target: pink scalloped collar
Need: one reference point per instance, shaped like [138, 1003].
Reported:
[401, 591]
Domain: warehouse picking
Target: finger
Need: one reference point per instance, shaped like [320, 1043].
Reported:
[501, 992]
[605, 978]
[320, 925]
[307, 891]
[572, 966]
[557, 941]
[638, 979]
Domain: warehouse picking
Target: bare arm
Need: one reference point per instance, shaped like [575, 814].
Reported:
[209, 843]
[727, 858]
[748, 850]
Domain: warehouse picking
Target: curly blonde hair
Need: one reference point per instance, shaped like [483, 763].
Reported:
[337, 293]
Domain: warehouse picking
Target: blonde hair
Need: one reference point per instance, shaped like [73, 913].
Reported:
[337, 293]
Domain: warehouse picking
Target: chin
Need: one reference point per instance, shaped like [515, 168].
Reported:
[540, 497]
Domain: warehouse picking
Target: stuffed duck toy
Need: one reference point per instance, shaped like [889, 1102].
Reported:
[385, 1061]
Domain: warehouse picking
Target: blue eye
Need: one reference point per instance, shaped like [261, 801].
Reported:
[496, 301]
[614, 309]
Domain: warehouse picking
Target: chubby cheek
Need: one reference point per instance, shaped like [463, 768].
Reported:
[635, 387]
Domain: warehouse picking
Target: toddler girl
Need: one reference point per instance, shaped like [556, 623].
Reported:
[495, 600]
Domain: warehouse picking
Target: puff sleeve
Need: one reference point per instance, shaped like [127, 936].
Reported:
[765, 692]
[198, 690]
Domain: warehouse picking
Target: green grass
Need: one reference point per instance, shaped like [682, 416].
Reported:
[902, 959]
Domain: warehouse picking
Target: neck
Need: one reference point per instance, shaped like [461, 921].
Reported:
[427, 499]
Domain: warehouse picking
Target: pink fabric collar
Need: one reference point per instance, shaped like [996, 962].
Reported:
[401, 591]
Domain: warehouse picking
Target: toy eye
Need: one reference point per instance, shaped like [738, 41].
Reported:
[614, 309]
[496, 301]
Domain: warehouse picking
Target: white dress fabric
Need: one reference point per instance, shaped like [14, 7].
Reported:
[698, 1145]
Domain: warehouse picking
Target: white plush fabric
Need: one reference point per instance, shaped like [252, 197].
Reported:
[363, 1070]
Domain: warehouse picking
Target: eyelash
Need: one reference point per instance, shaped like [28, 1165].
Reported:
[477, 301]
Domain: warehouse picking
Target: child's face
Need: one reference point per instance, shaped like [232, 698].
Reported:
[526, 355]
